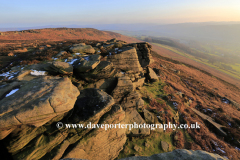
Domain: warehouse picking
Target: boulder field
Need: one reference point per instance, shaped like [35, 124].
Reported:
[97, 85]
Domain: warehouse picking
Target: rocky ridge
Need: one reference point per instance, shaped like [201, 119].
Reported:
[98, 84]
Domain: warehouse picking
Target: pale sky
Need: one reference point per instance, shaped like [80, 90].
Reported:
[23, 13]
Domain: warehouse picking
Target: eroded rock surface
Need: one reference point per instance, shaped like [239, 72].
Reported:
[144, 54]
[133, 117]
[152, 75]
[123, 88]
[58, 67]
[103, 144]
[37, 102]
[180, 154]
[126, 60]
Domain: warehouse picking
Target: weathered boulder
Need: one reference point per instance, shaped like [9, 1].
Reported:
[133, 117]
[90, 102]
[49, 142]
[149, 117]
[164, 146]
[94, 57]
[132, 100]
[58, 67]
[103, 70]
[107, 85]
[103, 144]
[37, 102]
[137, 148]
[80, 48]
[144, 53]
[126, 60]
[152, 75]
[180, 154]
[139, 82]
[108, 46]
[85, 66]
[123, 88]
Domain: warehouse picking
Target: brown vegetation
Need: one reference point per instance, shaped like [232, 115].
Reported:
[206, 94]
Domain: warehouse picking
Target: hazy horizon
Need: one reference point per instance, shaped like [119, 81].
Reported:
[28, 13]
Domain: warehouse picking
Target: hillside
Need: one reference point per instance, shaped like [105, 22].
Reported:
[23, 43]
[173, 55]
[60, 34]
[49, 85]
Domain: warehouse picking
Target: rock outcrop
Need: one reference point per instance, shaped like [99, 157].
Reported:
[107, 85]
[37, 102]
[103, 70]
[180, 154]
[132, 100]
[88, 64]
[133, 117]
[144, 53]
[123, 88]
[49, 142]
[126, 60]
[103, 144]
[149, 117]
[53, 117]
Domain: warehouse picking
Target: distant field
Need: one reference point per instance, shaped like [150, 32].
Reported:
[236, 67]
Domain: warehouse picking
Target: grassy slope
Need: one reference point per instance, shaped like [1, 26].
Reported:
[204, 61]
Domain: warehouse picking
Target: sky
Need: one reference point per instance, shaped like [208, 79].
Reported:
[28, 13]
